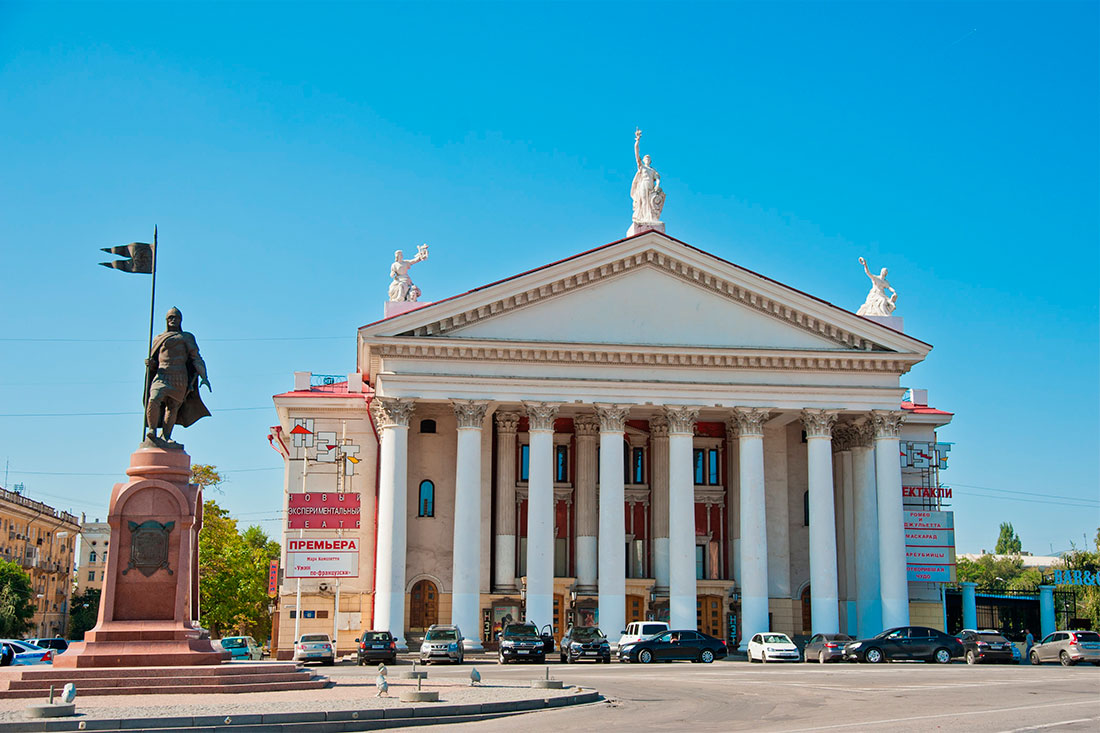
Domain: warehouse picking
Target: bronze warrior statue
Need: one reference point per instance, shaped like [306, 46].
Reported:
[174, 372]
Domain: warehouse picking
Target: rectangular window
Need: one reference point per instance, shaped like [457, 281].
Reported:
[524, 462]
[639, 466]
[713, 474]
[700, 459]
[700, 562]
[91, 575]
[561, 463]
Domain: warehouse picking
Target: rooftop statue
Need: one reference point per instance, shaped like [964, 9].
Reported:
[877, 304]
[646, 191]
[402, 288]
[174, 372]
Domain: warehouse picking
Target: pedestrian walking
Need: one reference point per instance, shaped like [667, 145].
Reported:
[1029, 641]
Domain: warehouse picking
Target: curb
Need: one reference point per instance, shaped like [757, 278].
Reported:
[333, 721]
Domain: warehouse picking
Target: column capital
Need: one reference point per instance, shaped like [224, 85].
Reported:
[845, 436]
[612, 417]
[507, 422]
[681, 419]
[819, 423]
[392, 412]
[863, 433]
[540, 415]
[586, 426]
[658, 427]
[470, 413]
[749, 421]
[887, 423]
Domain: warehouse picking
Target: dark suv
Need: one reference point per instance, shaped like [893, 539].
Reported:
[376, 646]
[521, 642]
[905, 642]
[585, 642]
[986, 645]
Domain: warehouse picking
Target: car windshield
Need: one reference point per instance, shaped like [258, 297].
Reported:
[441, 635]
[776, 639]
[233, 642]
[1087, 636]
[995, 638]
[520, 632]
[314, 637]
[376, 636]
[586, 633]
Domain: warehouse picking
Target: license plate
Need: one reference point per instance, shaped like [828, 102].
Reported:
[521, 651]
[378, 646]
[591, 654]
[1090, 645]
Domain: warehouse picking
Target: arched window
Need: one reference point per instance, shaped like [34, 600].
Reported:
[426, 501]
[427, 426]
[91, 556]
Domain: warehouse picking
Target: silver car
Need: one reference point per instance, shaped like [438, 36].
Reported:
[315, 648]
[825, 648]
[1068, 647]
[442, 643]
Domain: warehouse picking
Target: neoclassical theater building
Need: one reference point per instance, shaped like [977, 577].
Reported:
[642, 430]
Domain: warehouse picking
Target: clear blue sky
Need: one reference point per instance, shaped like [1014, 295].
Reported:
[285, 151]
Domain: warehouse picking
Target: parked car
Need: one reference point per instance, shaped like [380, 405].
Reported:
[58, 644]
[987, 645]
[521, 642]
[442, 643]
[376, 646]
[26, 653]
[585, 642]
[771, 646]
[242, 647]
[691, 645]
[825, 648]
[1068, 647]
[315, 648]
[638, 630]
[905, 642]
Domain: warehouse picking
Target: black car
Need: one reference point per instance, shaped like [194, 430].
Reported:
[376, 646]
[905, 642]
[686, 644]
[585, 642]
[522, 643]
[986, 646]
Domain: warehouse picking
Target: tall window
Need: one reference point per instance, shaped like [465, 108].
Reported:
[707, 466]
[806, 509]
[637, 466]
[426, 501]
[91, 556]
[700, 562]
[561, 463]
[524, 462]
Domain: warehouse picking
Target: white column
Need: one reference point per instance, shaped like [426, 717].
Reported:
[1046, 611]
[849, 534]
[540, 514]
[504, 543]
[658, 489]
[612, 521]
[868, 595]
[682, 596]
[586, 428]
[754, 524]
[466, 582]
[392, 417]
[891, 528]
[969, 605]
[823, 577]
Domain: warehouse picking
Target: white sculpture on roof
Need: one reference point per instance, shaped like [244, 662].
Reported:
[646, 192]
[877, 303]
[402, 288]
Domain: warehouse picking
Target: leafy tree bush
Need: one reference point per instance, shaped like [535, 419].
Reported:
[83, 612]
[16, 592]
[1008, 542]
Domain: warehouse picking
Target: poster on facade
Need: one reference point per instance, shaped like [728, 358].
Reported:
[931, 573]
[323, 510]
[930, 546]
[322, 558]
[929, 520]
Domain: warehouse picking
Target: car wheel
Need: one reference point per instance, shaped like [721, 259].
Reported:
[562, 658]
[501, 659]
[330, 662]
[1066, 661]
[707, 656]
[970, 658]
[941, 656]
[821, 657]
[763, 658]
[1034, 659]
[645, 656]
[874, 656]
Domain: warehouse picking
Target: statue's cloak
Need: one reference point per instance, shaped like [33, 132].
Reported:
[192, 409]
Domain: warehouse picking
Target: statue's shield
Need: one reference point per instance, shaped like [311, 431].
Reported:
[149, 547]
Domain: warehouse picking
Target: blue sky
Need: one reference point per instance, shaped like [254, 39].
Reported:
[286, 150]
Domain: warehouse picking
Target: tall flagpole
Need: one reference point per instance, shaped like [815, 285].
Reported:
[149, 352]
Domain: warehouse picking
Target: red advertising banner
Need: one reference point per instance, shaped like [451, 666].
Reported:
[273, 578]
[323, 510]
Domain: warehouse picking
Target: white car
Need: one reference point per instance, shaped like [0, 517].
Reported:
[772, 647]
[638, 630]
[315, 648]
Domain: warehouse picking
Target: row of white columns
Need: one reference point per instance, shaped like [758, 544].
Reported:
[877, 517]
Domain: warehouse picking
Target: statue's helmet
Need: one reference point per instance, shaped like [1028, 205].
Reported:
[174, 312]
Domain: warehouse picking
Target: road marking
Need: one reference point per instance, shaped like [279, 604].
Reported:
[1052, 725]
[942, 715]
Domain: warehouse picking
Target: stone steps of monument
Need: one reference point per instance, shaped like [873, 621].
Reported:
[112, 682]
[235, 669]
[184, 689]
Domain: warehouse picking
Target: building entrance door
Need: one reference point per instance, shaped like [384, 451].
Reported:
[710, 615]
[423, 605]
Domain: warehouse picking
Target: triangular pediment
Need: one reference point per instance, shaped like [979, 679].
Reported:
[647, 290]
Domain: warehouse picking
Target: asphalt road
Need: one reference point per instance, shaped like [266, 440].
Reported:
[729, 695]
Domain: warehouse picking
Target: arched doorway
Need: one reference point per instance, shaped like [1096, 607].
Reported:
[423, 605]
[807, 618]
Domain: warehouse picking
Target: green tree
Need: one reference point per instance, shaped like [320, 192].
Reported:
[1008, 542]
[83, 612]
[992, 571]
[233, 575]
[1087, 596]
[16, 609]
[207, 477]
